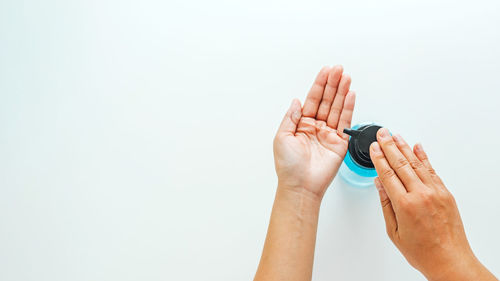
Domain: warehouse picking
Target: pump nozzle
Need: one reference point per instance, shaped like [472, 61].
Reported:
[351, 132]
[359, 144]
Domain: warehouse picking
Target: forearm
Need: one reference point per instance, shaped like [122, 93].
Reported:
[466, 269]
[289, 248]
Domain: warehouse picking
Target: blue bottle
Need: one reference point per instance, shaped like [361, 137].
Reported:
[357, 169]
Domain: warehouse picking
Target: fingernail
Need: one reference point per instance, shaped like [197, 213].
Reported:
[375, 148]
[397, 138]
[383, 133]
[419, 147]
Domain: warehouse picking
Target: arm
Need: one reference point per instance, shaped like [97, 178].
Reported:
[309, 148]
[289, 247]
[421, 215]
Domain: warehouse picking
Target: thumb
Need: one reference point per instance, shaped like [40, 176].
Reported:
[391, 224]
[291, 119]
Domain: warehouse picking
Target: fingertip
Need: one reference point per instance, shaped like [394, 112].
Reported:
[335, 75]
[350, 100]
[290, 120]
[347, 78]
[382, 133]
[418, 147]
[419, 151]
[295, 103]
[295, 109]
[379, 132]
[398, 139]
[375, 149]
[322, 76]
[325, 69]
[338, 68]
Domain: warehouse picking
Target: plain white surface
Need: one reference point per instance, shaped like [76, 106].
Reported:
[136, 136]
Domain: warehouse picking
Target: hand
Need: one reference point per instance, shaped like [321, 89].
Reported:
[421, 215]
[308, 150]
[310, 145]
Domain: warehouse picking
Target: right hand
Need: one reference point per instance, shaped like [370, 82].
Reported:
[421, 215]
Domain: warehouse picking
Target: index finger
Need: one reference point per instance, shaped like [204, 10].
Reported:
[393, 186]
[397, 160]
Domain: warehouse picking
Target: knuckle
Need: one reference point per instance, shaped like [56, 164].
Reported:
[422, 156]
[327, 100]
[432, 171]
[448, 197]
[426, 195]
[387, 174]
[334, 111]
[415, 164]
[444, 197]
[385, 203]
[405, 204]
[315, 99]
[400, 163]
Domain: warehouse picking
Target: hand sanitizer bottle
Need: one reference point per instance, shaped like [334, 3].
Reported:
[357, 169]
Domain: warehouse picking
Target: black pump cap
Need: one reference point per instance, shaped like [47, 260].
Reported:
[359, 144]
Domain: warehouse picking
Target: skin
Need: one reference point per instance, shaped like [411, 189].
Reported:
[421, 216]
[308, 151]
[420, 213]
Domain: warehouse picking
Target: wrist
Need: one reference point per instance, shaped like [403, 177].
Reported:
[300, 203]
[465, 268]
[298, 193]
[298, 209]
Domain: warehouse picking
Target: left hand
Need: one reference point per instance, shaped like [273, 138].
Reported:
[310, 146]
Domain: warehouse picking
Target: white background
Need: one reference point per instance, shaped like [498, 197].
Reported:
[136, 136]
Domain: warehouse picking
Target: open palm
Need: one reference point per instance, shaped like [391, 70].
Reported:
[310, 145]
